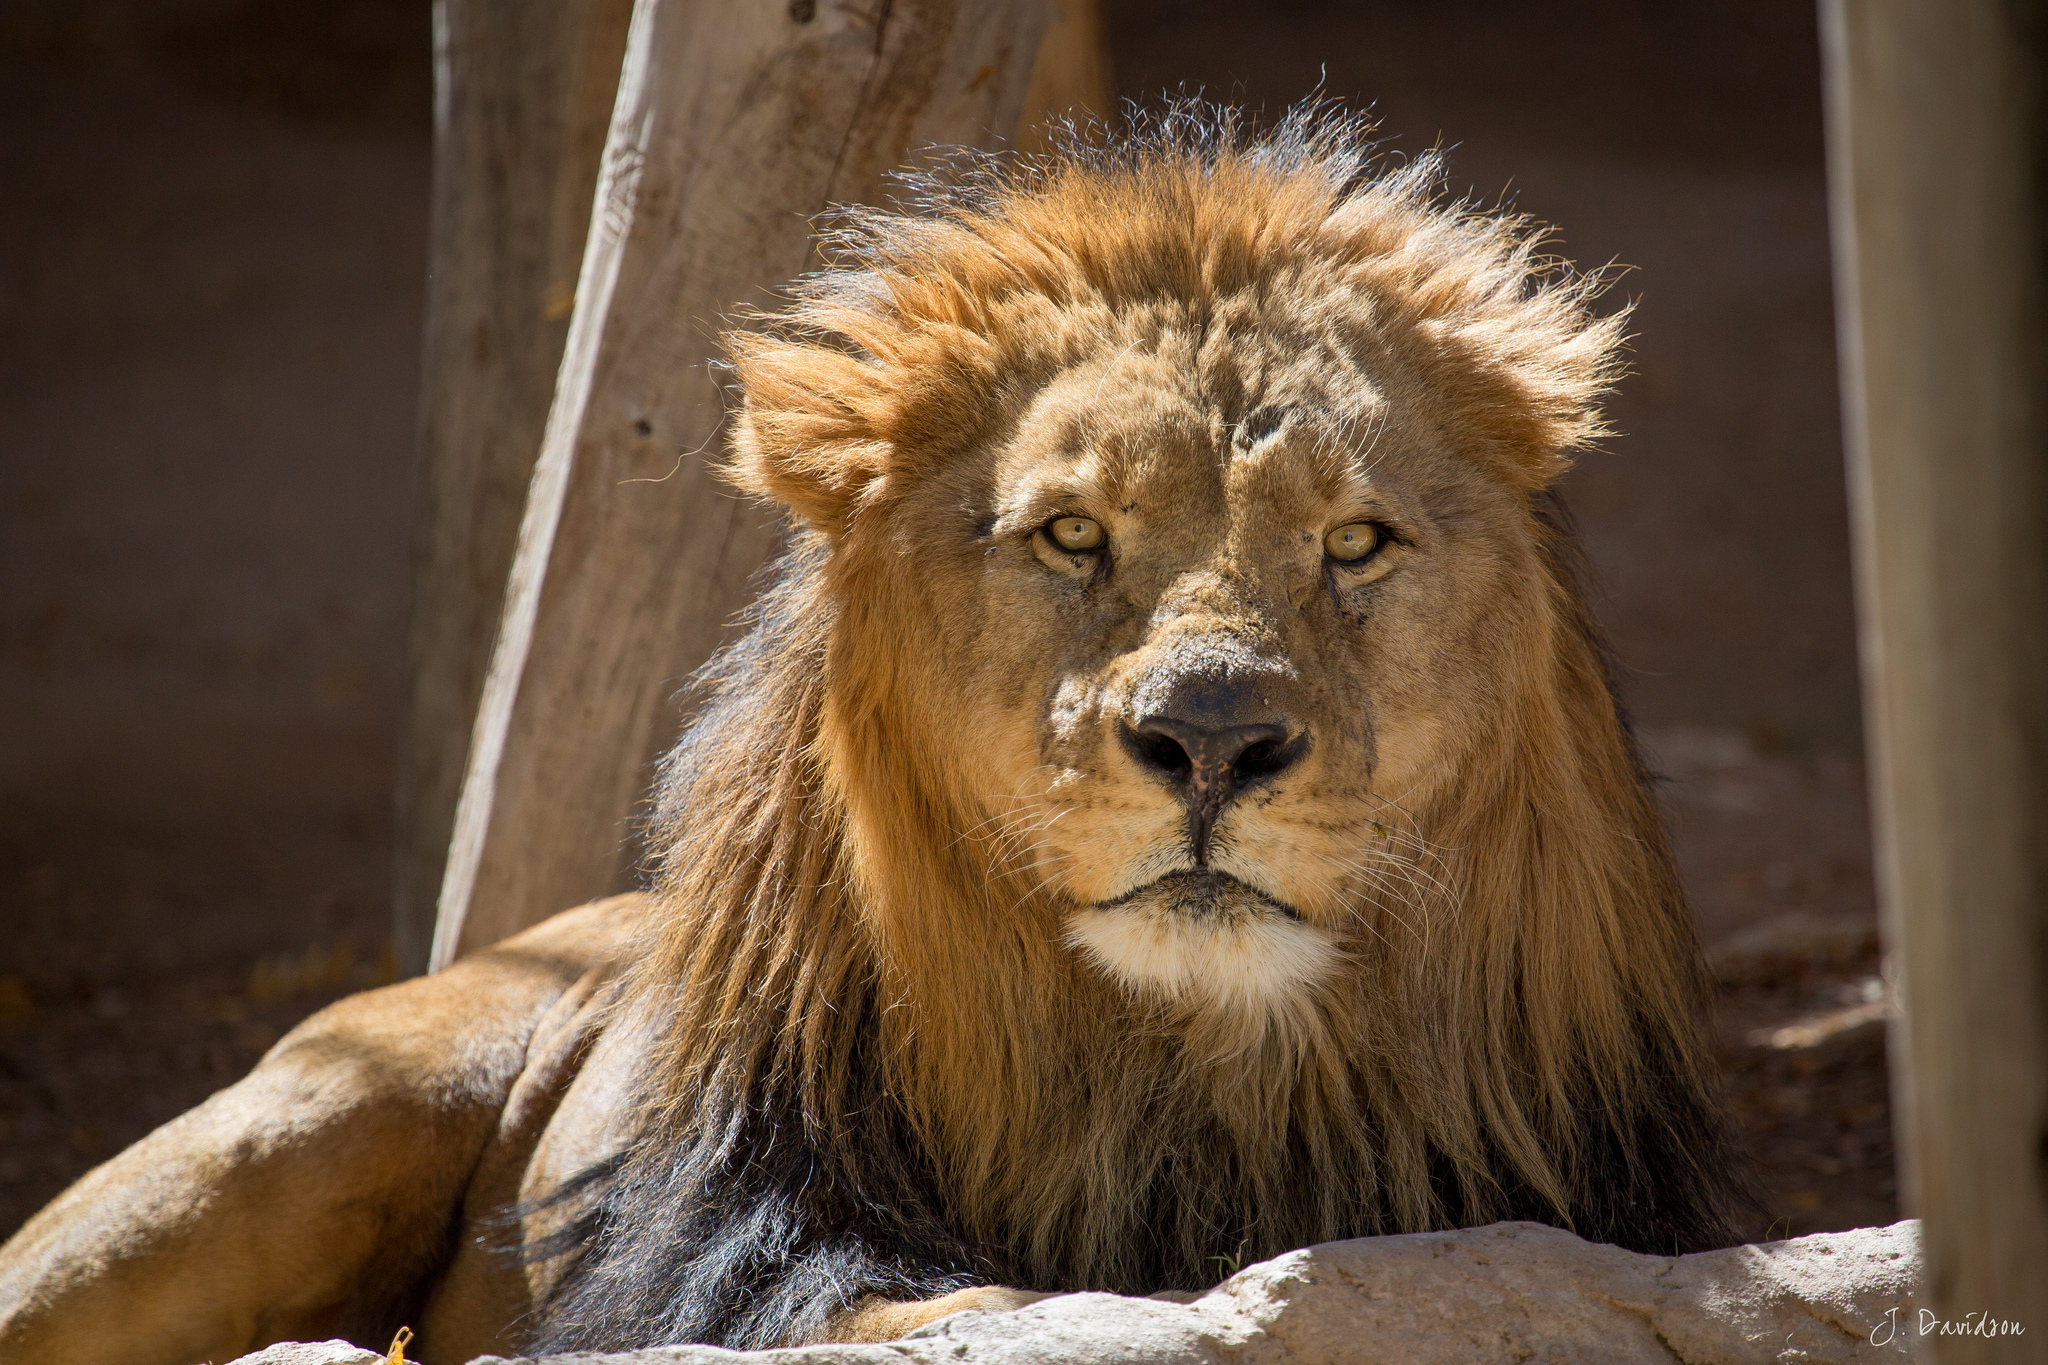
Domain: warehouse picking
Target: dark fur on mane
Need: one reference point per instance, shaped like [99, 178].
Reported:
[750, 1221]
[784, 1170]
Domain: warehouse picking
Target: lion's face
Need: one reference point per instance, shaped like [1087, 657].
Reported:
[1178, 741]
[1212, 620]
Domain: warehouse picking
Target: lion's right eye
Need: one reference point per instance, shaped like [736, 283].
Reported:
[1076, 535]
[1352, 543]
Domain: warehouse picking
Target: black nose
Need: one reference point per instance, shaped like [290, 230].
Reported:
[1209, 765]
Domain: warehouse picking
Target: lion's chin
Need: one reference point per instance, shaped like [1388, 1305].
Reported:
[1207, 939]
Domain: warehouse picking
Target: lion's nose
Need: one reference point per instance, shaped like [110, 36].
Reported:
[1206, 758]
[1209, 765]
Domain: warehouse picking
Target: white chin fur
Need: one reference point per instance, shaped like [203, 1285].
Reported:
[1252, 961]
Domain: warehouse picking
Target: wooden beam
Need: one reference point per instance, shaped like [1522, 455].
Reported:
[735, 125]
[1071, 80]
[1936, 157]
[524, 92]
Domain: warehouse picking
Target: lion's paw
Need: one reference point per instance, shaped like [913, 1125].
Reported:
[879, 1319]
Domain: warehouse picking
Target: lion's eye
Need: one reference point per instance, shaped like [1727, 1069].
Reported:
[1352, 542]
[1076, 534]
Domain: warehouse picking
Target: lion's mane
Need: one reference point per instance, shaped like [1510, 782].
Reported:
[879, 1071]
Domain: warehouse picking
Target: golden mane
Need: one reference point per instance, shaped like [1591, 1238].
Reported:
[1516, 1033]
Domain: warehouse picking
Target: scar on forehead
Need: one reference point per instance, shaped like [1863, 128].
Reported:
[1261, 423]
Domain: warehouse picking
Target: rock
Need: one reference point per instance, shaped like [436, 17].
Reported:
[1520, 1292]
[312, 1353]
[1509, 1294]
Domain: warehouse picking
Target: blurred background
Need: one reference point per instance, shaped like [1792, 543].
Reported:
[213, 222]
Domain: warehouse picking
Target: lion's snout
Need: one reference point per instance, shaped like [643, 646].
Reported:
[1211, 731]
[1206, 766]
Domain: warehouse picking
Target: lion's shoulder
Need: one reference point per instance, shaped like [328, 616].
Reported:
[419, 1029]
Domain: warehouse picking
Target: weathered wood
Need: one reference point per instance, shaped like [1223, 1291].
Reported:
[1071, 79]
[524, 94]
[735, 125]
[1937, 157]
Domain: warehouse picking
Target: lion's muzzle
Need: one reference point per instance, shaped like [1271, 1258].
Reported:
[1208, 738]
[1203, 936]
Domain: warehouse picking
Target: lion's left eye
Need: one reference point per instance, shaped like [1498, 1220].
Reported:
[1352, 542]
[1076, 534]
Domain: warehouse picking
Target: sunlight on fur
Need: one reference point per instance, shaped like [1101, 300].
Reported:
[1081, 871]
[1243, 959]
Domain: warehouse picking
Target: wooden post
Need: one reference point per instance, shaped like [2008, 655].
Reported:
[734, 126]
[1071, 78]
[524, 94]
[1936, 143]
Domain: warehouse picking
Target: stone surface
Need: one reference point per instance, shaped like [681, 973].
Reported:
[312, 1353]
[1511, 1293]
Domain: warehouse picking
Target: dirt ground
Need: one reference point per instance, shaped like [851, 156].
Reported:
[211, 265]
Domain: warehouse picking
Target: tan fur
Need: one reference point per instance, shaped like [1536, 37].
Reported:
[881, 1320]
[1484, 877]
[311, 1197]
[915, 844]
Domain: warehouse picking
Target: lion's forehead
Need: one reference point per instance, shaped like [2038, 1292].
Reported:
[1155, 442]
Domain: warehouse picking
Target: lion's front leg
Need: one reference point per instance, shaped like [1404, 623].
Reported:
[878, 1319]
[322, 1185]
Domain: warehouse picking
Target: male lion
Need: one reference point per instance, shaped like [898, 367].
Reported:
[1171, 808]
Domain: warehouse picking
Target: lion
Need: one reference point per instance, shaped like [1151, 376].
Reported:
[1170, 807]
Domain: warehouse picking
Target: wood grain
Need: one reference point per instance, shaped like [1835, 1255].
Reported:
[735, 126]
[1937, 149]
[524, 95]
[1071, 80]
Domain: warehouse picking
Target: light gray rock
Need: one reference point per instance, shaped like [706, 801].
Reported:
[312, 1353]
[1510, 1294]
[1518, 1292]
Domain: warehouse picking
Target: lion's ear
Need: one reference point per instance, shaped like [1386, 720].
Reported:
[1538, 382]
[809, 434]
